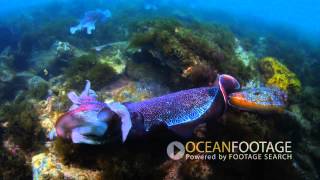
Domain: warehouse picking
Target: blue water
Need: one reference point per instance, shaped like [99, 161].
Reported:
[299, 15]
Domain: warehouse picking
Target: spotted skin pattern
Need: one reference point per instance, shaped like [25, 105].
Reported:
[180, 112]
[176, 108]
[262, 99]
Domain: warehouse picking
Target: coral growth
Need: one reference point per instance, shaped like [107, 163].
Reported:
[278, 75]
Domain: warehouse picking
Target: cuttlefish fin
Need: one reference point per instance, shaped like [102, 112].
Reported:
[124, 114]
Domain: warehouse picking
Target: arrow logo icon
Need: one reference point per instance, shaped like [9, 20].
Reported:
[175, 150]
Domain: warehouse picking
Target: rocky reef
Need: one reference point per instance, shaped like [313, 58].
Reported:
[135, 58]
[88, 67]
[196, 55]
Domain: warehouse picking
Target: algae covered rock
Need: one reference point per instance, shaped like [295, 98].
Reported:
[48, 166]
[277, 74]
[38, 87]
[185, 49]
[23, 125]
[247, 57]
[44, 165]
[64, 50]
[125, 90]
[114, 56]
[88, 67]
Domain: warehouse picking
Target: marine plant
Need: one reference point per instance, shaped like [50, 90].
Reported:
[23, 125]
[130, 93]
[39, 92]
[184, 47]
[276, 74]
[88, 67]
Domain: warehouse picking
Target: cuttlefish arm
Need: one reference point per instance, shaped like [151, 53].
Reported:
[124, 115]
[87, 119]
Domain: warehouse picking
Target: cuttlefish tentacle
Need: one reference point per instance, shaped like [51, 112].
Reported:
[124, 114]
[88, 118]
[78, 135]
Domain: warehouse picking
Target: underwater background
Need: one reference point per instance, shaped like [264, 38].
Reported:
[135, 50]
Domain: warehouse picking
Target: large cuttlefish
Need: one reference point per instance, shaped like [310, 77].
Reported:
[88, 119]
[179, 112]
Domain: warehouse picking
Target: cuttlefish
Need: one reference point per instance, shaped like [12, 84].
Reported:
[89, 20]
[89, 119]
[179, 112]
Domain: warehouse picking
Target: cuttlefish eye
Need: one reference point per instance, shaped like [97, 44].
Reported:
[256, 93]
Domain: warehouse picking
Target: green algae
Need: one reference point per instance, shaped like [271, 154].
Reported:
[39, 92]
[88, 67]
[23, 124]
[184, 47]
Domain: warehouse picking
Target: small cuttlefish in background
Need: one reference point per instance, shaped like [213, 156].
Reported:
[89, 20]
